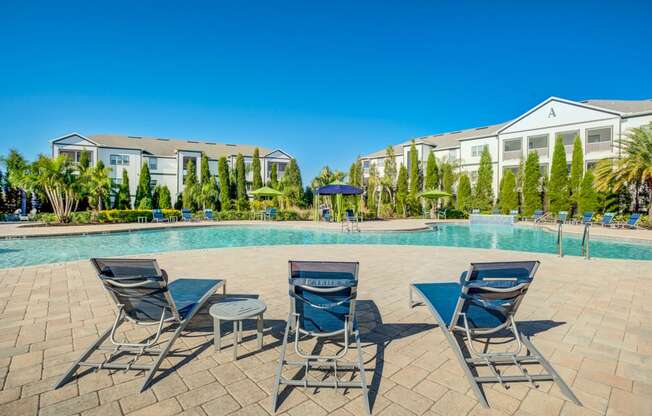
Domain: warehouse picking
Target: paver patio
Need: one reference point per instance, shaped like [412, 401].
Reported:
[590, 318]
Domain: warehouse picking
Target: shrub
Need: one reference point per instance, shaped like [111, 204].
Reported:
[456, 214]
[145, 203]
[131, 215]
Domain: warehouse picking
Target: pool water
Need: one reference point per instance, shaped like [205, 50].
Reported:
[30, 251]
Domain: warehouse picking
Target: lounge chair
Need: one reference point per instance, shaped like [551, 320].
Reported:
[270, 214]
[538, 214]
[322, 305]
[327, 215]
[608, 219]
[562, 216]
[482, 305]
[587, 217]
[208, 214]
[632, 221]
[143, 296]
[186, 215]
[157, 216]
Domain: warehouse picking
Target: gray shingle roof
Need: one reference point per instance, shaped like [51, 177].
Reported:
[626, 107]
[169, 147]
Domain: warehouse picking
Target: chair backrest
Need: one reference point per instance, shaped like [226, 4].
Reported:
[157, 214]
[323, 294]
[608, 218]
[185, 213]
[633, 219]
[587, 217]
[538, 213]
[563, 215]
[272, 211]
[139, 285]
[349, 214]
[208, 213]
[491, 294]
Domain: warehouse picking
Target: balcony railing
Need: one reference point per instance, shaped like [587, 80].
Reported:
[598, 147]
[541, 151]
[512, 154]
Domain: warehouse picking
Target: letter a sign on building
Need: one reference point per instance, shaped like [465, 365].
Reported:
[552, 113]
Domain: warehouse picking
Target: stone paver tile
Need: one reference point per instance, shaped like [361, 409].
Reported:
[165, 408]
[246, 392]
[228, 373]
[137, 401]
[571, 409]
[408, 399]
[500, 400]
[451, 380]
[23, 376]
[538, 403]
[198, 379]
[454, 403]
[9, 395]
[221, 406]
[71, 406]
[108, 409]
[289, 397]
[252, 410]
[26, 360]
[94, 381]
[201, 395]
[55, 396]
[307, 407]
[630, 404]
[395, 410]
[430, 389]
[119, 391]
[169, 386]
[377, 403]
[26, 407]
[195, 411]
[409, 376]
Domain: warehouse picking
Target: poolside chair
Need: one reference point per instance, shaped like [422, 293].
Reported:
[327, 215]
[157, 216]
[538, 214]
[483, 305]
[186, 215]
[270, 214]
[607, 219]
[208, 214]
[475, 211]
[632, 221]
[587, 217]
[143, 296]
[562, 216]
[322, 305]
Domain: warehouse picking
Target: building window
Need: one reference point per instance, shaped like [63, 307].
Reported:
[365, 164]
[75, 155]
[476, 151]
[153, 163]
[513, 149]
[381, 163]
[538, 144]
[514, 169]
[598, 140]
[452, 155]
[119, 160]
[568, 138]
[543, 168]
[590, 165]
[116, 181]
[473, 176]
[153, 183]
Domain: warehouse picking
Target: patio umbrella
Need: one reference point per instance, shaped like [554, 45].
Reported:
[434, 195]
[338, 189]
[266, 191]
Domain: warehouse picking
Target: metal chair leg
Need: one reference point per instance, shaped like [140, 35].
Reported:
[281, 361]
[365, 392]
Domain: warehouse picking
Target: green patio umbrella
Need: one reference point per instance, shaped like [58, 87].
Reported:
[434, 194]
[266, 191]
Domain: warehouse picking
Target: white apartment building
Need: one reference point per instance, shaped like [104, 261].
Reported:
[167, 159]
[599, 123]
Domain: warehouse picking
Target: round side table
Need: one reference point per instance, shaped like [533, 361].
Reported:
[237, 309]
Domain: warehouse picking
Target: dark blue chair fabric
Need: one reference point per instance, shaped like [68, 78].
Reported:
[187, 292]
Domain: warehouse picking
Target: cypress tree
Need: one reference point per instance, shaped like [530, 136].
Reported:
[2, 192]
[557, 189]
[223, 175]
[432, 173]
[508, 195]
[353, 174]
[241, 182]
[577, 172]
[190, 187]
[531, 184]
[164, 198]
[484, 194]
[273, 177]
[156, 196]
[588, 199]
[372, 185]
[464, 193]
[144, 189]
[123, 198]
[402, 190]
[447, 180]
[255, 167]
[204, 171]
[292, 183]
[415, 179]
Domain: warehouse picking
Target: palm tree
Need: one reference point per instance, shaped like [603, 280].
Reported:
[99, 184]
[58, 178]
[634, 168]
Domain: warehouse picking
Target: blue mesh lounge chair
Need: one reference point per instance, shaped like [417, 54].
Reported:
[483, 304]
[270, 214]
[322, 305]
[608, 219]
[587, 217]
[208, 214]
[157, 216]
[563, 216]
[631, 221]
[143, 296]
[186, 215]
[538, 214]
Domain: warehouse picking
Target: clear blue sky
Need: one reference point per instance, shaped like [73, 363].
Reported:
[324, 81]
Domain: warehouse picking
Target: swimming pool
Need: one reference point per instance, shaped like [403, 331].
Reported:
[30, 251]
